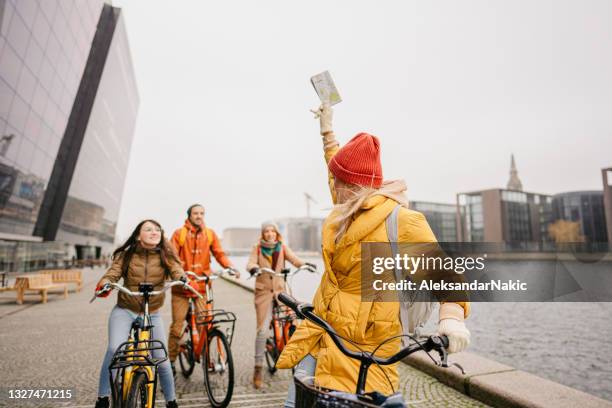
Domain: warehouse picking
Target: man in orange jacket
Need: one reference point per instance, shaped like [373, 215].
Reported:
[194, 243]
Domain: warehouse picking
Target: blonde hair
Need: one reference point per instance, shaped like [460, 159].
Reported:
[279, 237]
[346, 210]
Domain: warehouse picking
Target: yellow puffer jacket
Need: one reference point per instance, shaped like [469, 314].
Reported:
[338, 300]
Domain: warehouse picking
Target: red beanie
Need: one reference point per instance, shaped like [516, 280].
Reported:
[358, 162]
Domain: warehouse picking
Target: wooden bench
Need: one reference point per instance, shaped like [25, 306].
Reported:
[4, 282]
[66, 276]
[37, 282]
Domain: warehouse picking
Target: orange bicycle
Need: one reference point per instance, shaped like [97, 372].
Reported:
[283, 318]
[207, 338]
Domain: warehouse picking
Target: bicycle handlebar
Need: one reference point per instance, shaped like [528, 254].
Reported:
[125, 290]
[306, 311]
[203, 278]
[284, 272]
[213, 276]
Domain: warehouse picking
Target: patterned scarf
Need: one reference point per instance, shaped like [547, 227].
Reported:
[271, 251]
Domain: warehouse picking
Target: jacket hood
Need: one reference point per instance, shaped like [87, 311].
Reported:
[192, 227]
[374, 211]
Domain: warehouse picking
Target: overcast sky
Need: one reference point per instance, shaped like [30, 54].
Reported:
[450, 88]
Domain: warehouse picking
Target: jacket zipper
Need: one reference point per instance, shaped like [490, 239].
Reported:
[195, 248]
[146, 262]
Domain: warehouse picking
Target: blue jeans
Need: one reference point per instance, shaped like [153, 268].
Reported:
[119, 325]
[305, 368]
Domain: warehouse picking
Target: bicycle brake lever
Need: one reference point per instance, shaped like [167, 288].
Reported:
[444, 361]
[443, 357]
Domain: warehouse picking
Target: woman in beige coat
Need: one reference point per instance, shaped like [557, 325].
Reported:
[270, 253]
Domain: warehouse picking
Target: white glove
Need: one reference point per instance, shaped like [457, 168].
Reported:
[325, 115]
[458, 335]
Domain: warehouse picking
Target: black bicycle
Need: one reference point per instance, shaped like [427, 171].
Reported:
[308, 395]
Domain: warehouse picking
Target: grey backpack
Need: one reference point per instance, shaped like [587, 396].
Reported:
[415, 307]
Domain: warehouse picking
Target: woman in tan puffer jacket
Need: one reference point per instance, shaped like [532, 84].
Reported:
[145, 257]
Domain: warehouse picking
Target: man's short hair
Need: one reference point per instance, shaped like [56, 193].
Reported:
[192, 207]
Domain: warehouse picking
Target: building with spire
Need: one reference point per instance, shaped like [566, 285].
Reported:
[512, 216]
[514, 183]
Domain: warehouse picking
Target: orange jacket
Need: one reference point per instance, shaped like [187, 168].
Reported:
[195, 248]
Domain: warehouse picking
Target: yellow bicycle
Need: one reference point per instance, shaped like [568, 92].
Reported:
[135, 376]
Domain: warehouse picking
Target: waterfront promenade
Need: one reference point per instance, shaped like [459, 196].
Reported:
[61, 344]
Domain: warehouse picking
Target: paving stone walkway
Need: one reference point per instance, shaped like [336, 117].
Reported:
[61, 345]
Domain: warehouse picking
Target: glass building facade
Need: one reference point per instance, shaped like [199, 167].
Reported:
[471, 217]
[441, 219]
[516, 218]
[43, 52]
[63, 158]
[586, 208]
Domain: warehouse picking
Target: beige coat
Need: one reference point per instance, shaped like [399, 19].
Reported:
[266, 285]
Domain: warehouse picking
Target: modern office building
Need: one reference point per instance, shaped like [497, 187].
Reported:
[585, 208]
[240, 239]
[511, 216]
[606, 175]
[441, 219]
[517, 218]
[68, 105]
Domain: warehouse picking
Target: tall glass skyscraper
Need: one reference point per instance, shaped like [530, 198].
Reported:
[68, 105]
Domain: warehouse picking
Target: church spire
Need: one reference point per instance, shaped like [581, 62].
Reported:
[514, 183]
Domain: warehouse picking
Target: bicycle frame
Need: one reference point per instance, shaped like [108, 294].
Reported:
[282, 320]
[135, 356]
[209, 320]
[136, 352]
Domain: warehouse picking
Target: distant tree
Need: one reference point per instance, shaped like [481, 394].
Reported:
[562, 231]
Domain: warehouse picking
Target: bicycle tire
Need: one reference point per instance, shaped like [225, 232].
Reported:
[138, 396]
[187, 356]
[223, 398]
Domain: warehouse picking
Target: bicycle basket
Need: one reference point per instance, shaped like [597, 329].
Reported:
[218, 317]
[308, 395]
[138, 353]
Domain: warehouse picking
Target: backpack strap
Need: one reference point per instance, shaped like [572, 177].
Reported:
[209, 236]
[392, 226]
[182, 236]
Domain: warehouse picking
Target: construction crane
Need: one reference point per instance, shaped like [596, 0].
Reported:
[309, 199]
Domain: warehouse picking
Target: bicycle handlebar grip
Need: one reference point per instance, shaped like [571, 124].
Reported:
[444, 340]
[289, 301]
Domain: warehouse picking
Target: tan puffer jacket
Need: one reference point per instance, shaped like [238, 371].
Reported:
[145, 266]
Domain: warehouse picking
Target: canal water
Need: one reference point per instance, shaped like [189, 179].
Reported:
[569, 343]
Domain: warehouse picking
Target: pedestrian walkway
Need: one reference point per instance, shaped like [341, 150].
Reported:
[61, 344]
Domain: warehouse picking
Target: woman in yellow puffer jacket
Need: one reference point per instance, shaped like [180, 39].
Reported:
[362, 203]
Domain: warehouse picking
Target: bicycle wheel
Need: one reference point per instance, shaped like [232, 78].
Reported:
[271, 355]
[186, 354]
[218, 367]
[138, 396]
